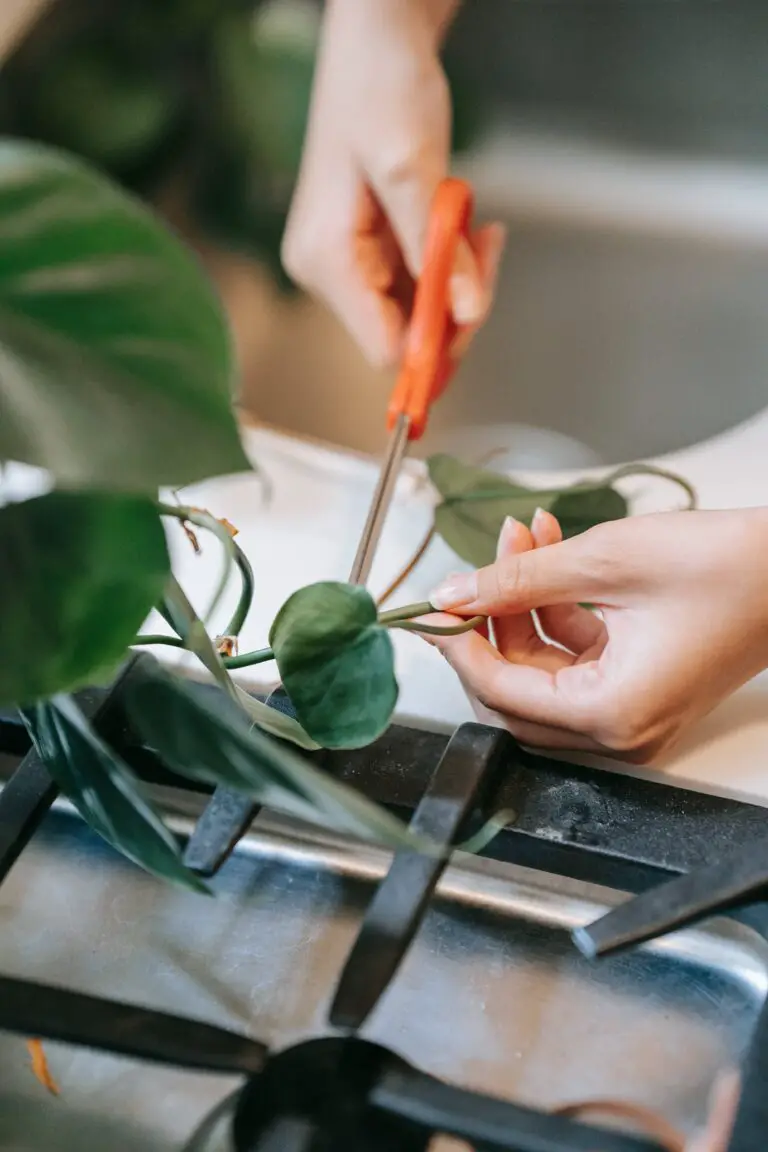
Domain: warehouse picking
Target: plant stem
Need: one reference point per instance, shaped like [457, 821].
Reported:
[437, 630]
[171, 641]
[245, 601]
[409, 612]
[206, 520]
[245, 660]
[406, 619]
[209, 522]
[248, 659]
[627, 470]
[408, 569]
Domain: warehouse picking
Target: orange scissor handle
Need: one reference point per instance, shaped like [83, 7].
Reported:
[427, 365]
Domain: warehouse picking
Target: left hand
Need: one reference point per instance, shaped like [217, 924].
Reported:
[682, 624]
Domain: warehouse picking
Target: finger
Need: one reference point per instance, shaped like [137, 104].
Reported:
[573, 698]
[488, 246]
[584, 568]
[406, 190]
[466, 655]
[515, 634]
[347, 270]
[574, 627]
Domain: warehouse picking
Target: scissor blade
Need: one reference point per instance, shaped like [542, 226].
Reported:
[382, 498]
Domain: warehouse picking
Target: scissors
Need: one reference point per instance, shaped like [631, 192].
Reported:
[427, 365]
[426, 369]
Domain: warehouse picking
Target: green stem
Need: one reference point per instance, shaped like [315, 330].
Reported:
[407, 620]
[211, 524]
[437, 630]
[149, 640]
[248, 659]
[240, 614]
[245, 660]
[234, 551]
[409, 612]
[628, 470]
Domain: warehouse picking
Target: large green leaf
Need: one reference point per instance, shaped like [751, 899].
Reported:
[115, 362]
[103, 789]
[210, 738]
[477, 501]
[79, 574]
[337, 664]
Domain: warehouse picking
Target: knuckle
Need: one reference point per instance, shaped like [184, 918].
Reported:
[304, 253]
[508, 582]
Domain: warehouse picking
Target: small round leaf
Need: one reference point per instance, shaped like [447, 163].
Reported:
[337, 664]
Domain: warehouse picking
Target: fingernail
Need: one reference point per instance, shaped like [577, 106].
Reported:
[509, 530]
[468, 300]
[537, 518]
[468, 297]
[455, 592]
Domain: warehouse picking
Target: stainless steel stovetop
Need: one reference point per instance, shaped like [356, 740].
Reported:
[491, 995]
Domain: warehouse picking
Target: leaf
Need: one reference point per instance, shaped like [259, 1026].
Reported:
[337, 664]
[275, 722]
[79, 574]
[578, 509]
[477, 501]
[115, 362]
[210, 739]
[104, 790]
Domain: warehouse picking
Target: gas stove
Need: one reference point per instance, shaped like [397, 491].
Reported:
[334, 997]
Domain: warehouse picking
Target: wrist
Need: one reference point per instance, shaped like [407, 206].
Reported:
[438, 15]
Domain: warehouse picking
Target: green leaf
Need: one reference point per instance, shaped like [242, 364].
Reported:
[79, 574]
[104, 790]
[115, 361]
[337, 664]
[578, 509]
[477, 501]
[208, 737]
[275, 722]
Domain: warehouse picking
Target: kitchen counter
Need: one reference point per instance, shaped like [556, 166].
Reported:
[300, 523]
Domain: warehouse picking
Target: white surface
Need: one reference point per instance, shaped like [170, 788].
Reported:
[307, 530]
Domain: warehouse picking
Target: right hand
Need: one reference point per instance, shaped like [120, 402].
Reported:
[378, 144]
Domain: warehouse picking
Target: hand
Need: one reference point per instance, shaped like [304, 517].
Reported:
[683, 622]
[378, 144]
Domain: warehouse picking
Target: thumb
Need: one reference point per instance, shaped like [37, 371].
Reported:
[565, 573]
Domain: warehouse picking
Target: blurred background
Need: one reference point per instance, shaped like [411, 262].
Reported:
[625, 144]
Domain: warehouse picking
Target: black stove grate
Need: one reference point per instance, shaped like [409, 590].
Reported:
[606, 829]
